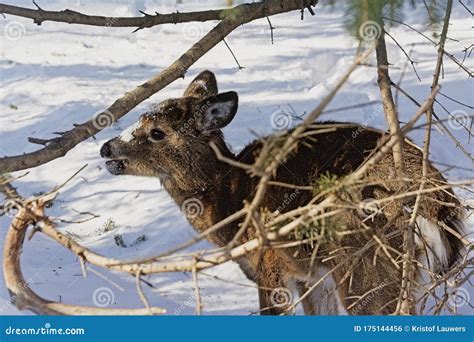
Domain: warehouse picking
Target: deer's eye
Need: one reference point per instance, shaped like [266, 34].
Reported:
[156, 135]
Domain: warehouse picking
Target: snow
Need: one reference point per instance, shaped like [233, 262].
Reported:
[55, 75]
[127, 134]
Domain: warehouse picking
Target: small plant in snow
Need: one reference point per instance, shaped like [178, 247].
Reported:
[108, 226]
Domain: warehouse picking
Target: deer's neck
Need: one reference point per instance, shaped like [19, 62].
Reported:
[215, 194]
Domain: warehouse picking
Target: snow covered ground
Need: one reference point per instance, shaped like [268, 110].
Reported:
[55, 75]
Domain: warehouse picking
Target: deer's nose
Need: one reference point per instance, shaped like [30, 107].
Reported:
[105, 150]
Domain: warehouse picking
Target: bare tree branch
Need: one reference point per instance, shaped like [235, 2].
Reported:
[388, 103]
[58, 147]
[406, 302]
[450, 55]
[438, 122]
[68, 16]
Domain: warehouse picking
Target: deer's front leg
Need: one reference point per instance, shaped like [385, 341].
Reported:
[255, 273]
[275, 297]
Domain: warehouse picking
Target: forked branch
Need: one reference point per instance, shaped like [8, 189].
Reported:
[20, 292]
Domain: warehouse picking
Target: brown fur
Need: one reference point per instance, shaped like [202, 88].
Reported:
[188, 168]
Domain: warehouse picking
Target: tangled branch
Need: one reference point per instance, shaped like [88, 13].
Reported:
[20, 292]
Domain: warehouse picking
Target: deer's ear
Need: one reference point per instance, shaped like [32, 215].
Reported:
[204, 85]
[217, 111]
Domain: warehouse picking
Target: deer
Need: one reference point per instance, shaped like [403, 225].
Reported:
[172, 141]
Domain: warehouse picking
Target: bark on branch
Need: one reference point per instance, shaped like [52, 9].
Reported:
[388, 103]
[68, 16]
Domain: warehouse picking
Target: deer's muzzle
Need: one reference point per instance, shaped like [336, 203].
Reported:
[115, 165]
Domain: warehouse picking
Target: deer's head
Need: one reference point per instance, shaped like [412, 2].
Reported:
[172, 140]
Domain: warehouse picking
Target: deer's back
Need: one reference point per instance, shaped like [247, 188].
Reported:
[335, 154]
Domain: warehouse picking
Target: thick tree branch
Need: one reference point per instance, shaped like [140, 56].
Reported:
[58, 147]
